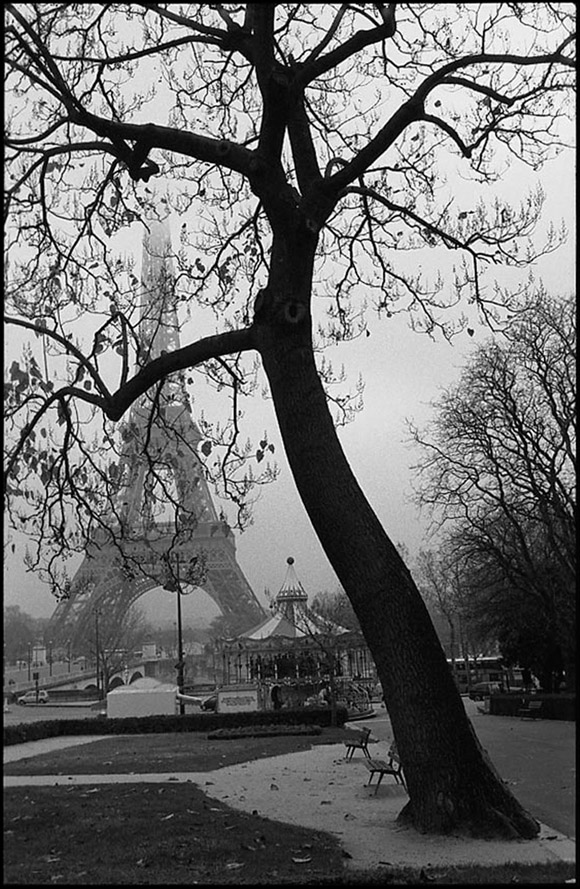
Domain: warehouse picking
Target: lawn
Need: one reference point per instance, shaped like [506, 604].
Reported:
[180, 752]
[128, 834]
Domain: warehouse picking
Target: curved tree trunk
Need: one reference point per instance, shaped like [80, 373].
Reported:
[452, 784]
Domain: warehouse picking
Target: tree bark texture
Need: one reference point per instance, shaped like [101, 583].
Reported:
[452, 784]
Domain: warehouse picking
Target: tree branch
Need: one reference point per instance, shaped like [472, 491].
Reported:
[69, 348]
[413, 109]
[303, 150]
[232, 341]
[148, 136]
[133, 55]
[329, 34]
[451, 132]
[183, 20]
[313, 69]
[489, 58]
[409, 112]
[115, 405]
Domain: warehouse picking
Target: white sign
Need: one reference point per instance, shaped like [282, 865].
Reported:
[237, 700]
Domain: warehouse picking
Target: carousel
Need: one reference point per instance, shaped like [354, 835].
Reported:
[297, 658]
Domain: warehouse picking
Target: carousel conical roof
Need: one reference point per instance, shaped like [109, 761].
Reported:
[291, 590]
[290, 618]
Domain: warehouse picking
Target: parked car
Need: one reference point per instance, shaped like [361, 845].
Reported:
[482, 690]
[31, 697]
[210, 703]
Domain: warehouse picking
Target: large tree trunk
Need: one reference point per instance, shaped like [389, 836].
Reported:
[452, 784]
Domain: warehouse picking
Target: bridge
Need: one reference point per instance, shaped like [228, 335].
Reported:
[80, 676]
[77, 676]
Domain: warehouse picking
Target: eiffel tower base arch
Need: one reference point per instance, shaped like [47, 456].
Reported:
[102, 583]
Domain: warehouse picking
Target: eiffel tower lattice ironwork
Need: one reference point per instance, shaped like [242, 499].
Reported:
[138, 537]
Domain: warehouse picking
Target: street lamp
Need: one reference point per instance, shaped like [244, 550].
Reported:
[97, 652]
[173, 585]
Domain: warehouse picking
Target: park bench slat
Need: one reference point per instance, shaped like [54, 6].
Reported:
[358, 743]
[380, 767]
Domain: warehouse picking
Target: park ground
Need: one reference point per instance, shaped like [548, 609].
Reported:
[144, 833]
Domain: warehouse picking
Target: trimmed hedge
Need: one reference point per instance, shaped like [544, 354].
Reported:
[554, 706]
[194, 722]
[263, 731]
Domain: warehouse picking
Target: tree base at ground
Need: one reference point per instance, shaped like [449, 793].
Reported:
[479, 806]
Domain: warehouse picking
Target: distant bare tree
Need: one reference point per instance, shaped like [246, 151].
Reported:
[114, 642]
[20, 632]
[443, 587]
[336, 607]
[499, 472]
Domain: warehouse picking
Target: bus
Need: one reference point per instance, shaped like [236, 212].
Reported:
[486, 668]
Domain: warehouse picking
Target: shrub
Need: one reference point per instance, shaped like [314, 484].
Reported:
[263, 731]
[194, 722]
[554, 706]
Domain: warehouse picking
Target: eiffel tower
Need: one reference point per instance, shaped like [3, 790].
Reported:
[159, 457]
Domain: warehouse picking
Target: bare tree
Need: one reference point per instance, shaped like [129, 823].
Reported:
[20, 633]
[303, 145]
[337, 608]
[443, 586]
[111, 643]
[435, 580]
[499, 470]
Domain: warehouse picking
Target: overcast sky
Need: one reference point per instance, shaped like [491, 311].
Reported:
[403, 372]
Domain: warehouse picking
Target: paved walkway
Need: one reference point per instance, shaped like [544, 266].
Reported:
[319, 789]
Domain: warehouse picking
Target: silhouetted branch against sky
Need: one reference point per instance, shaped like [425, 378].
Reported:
[408, 139]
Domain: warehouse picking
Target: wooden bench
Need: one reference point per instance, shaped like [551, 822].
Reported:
[358, 743]
[380, 767]
[532, 711]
